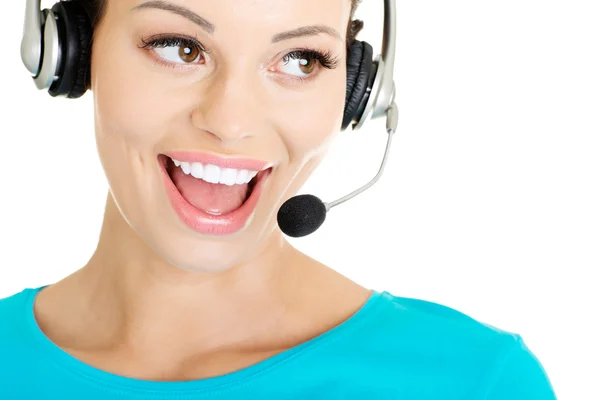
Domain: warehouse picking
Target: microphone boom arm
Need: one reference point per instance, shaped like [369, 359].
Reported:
[391, 126]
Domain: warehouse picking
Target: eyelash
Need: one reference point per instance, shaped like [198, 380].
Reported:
[154, 42]
[325, 58]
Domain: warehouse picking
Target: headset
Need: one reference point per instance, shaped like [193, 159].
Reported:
[56, 49]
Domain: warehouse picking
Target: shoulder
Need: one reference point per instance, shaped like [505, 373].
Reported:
[441, 324]
[14, 319]
[11, 307]
[22, 359]
[459, 353]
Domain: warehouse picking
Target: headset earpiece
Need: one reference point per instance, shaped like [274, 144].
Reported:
[360, 75]
[74, 38]
[359, 78]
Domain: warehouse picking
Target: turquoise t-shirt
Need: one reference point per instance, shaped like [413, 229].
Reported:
[392, 348]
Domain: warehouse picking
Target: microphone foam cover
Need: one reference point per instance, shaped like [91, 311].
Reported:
[301, 215]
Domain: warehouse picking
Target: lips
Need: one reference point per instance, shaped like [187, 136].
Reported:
[210, 194]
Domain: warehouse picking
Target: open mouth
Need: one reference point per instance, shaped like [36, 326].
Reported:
[212, 189]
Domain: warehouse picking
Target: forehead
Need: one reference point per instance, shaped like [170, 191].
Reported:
[248, 13]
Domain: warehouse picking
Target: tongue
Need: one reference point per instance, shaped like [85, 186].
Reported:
[212, 198]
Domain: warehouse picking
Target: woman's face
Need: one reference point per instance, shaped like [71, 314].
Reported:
[195, 98]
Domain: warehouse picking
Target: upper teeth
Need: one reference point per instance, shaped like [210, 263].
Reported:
[213, 174]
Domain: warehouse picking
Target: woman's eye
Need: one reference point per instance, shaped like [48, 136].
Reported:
[176, 50]
[299, 64]
[182, 54]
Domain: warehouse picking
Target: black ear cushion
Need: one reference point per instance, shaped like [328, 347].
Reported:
[75, 36]
[359, 67]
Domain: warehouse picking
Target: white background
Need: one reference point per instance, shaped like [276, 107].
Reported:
[490, 202]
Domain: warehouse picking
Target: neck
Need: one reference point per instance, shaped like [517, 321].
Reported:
[140, 298]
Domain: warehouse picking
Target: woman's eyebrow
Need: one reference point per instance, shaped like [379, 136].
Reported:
[180, 10]
[312, 30]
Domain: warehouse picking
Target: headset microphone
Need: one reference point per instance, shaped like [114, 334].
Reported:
[303, 214]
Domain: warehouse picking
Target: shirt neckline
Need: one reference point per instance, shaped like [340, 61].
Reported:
[104, 378]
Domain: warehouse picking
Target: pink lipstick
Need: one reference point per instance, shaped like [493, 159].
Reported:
[213, 195]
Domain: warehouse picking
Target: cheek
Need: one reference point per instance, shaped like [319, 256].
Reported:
[129, 104]
[309, 125]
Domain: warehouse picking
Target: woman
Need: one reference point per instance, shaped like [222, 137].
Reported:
[207, 118]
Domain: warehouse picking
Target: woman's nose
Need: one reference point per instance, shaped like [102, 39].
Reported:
[230, 108]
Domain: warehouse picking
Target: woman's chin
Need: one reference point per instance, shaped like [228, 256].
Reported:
[204, 254]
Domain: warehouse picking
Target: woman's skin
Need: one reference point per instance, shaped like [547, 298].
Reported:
[158, 300]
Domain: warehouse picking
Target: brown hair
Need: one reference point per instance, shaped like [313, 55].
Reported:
[96, 9]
